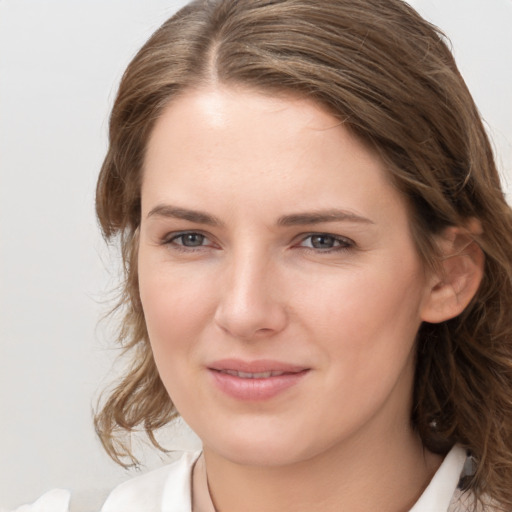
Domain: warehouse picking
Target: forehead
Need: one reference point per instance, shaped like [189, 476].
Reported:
[217, 110]
[238, 145]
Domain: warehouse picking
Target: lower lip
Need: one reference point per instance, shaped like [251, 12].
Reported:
[256, 389]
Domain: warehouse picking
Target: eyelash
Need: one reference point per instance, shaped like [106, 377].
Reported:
[344, 244]
[171, 240]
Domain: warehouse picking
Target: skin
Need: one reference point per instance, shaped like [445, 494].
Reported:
[346, 306]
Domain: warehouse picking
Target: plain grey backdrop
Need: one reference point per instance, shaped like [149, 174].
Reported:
[60, 63]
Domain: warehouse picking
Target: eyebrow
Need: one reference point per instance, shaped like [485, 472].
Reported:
[320, 216]
[295, 219]
[174, 212]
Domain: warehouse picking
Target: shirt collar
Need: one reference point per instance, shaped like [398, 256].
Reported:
[439, 492]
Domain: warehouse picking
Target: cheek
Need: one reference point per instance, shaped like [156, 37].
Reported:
[367, 321]
[175, 306]
[364, 297]
[365, 327]
[174, 315]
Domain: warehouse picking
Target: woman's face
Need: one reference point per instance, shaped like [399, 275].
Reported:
[280, 284]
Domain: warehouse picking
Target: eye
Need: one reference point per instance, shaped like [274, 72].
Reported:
[187, 240]
[325, 242]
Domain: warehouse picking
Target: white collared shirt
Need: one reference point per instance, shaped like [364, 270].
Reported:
[169, 489]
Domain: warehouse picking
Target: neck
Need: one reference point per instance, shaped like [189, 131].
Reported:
[387, 475]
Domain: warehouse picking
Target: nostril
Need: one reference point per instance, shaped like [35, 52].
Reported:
[251, 324]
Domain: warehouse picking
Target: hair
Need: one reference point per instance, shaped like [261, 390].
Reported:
[390, 77]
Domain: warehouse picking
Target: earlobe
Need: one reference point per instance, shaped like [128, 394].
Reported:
[460, 273]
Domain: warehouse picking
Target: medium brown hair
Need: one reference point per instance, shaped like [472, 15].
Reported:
[390, 77]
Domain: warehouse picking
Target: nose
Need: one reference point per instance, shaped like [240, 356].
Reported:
[251, 305]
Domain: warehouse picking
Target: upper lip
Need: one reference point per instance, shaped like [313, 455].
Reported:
[257, 366]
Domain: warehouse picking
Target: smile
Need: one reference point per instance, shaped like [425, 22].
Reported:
[255, 381]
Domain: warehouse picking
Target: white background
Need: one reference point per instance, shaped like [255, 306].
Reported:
[60, 63]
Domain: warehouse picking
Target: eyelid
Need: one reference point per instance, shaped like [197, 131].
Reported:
[345, 242]
[169, 239]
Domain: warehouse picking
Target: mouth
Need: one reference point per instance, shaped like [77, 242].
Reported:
[256, 380]
[249, 375]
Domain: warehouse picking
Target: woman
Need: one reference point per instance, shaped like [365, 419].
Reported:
[318, 263]
[318, 271]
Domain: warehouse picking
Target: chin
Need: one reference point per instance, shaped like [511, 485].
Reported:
[260, 456]
[261, 446]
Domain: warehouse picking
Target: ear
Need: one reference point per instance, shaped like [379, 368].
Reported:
[460, 272]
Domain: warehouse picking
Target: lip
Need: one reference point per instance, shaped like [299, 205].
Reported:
[283, 376]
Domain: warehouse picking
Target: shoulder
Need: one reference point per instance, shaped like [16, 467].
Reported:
[166, 489]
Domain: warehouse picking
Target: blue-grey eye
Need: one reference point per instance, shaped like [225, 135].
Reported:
[323, 241]
[191, 239]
